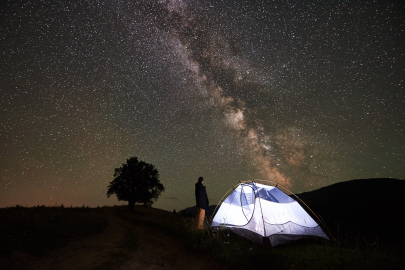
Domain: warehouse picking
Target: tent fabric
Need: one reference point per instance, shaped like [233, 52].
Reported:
[257, 211]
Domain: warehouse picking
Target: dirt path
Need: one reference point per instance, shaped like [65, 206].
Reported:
[156, 250]
[160, 251]
[85, 254]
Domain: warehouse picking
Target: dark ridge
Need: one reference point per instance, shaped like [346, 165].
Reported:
[373, 208]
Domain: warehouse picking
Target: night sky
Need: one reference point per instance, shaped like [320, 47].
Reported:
[303, 94]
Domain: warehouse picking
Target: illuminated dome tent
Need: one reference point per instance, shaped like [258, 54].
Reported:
[265, 215]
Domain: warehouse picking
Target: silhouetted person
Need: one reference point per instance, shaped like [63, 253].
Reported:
[201, 199]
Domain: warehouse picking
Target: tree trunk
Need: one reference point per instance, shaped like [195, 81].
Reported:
[131, 205]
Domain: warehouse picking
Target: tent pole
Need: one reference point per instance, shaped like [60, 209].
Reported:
[320, 221]
[324, 225]
[276, 185]
[220, 201]
[261, 210]
[241, 185]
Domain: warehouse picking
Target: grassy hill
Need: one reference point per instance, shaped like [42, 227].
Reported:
[370, 209]
[40, 230]
[240, 253]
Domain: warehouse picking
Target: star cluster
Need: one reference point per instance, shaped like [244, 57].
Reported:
[303, 94]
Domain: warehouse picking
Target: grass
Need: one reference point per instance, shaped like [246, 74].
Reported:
[41, 229]
[351, 252]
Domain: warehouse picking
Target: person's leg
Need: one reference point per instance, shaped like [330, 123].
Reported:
[197, 218]
[200, 218]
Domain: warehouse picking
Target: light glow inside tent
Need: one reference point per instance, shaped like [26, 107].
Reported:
[258, 211]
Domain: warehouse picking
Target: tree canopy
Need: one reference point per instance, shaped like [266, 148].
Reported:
[136, 182]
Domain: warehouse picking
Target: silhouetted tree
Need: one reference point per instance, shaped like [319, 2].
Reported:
[136, 182]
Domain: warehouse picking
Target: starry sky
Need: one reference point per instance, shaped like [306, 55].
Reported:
[303, 93]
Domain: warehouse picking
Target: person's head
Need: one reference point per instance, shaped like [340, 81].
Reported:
[200, 180]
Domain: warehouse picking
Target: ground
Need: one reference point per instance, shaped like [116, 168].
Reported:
[112, 249]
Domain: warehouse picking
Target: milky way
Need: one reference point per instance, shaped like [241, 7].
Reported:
[303, 94]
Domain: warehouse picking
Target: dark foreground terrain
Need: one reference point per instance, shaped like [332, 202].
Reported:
[120, 240]
[148, 238]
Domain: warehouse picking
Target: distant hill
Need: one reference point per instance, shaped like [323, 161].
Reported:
[370, 207]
